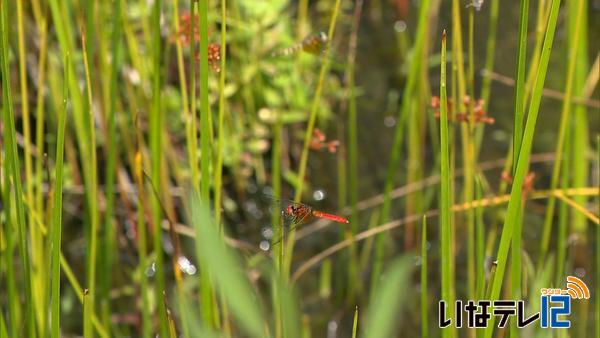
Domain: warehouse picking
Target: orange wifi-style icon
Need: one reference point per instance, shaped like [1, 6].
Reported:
[577, 288]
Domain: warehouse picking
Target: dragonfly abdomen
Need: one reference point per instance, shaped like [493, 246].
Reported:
[330, 217]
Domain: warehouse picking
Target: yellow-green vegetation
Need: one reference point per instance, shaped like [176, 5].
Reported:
[143, 143]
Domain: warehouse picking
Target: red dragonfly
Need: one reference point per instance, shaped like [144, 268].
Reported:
[295, 214]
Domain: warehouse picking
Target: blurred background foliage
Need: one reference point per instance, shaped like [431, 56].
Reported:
[264, 96]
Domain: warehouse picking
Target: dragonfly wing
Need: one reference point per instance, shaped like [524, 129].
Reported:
[295, 221]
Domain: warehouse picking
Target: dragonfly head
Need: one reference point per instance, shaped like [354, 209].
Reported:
[290, 210]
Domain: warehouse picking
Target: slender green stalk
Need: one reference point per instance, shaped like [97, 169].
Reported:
[56, 230]
[40, 113]
[111, 153]
[480, 244]
[542, 18]
[445, 201]
[469, 160]
[520, 82]
[94, 217]
[424, 290]
[490, 51]
[14, 312]
[24, 102]
[514, 206]
[597, 256]
[221, 129]
[311, 125]
[395, 153]
[87, 315]
[3, 331]
[353, 149]
[355, 323]
[352, 115]
[205, 136]
[61, 21]
[192, 128]
[12, 158]
[578, 20]
[315, 104]
[517, 140]
[204, 106]
[141, 229]
[38, 240]
[562, 237]
[156, 136]
[276, 220]
[224, 265]
[388, 300]
[560, 143]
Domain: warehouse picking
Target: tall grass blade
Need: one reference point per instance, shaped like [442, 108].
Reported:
[226, 270]
[156, 144]
[395, 152]
[310, 127]
[108, 246]
[12, 158]
[87, 315]
[424, 290]
[560, 142]
[514, 206]
[389, 300]
[355, 323]
[445, 199]
[209, 312]
[56, 230]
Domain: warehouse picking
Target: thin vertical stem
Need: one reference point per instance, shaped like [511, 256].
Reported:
[445, 186]
[56, 229]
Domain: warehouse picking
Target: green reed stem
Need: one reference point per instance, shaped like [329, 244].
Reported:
[597, 256]
[94, 216]
[40, 113]
[221, 136]
[12, 159]
[14, 312]
[316, 103]
[204, 106]
[520, 82]
[490, 51]
[221, 129]
[445, 201]
[353, 146]
[424, 290]
[207, 294]
[578, 20]
[480, 244]
[470, 160]
[191, 125]
[87, 314]
[111, 151]
[560, 143]
[517, 140]
[395, 153]
[355, 323]
[562, 237]
[311, 125]
[141, 229]
[156, 131]
[514, 206]
[56, 230]
[24, 102]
